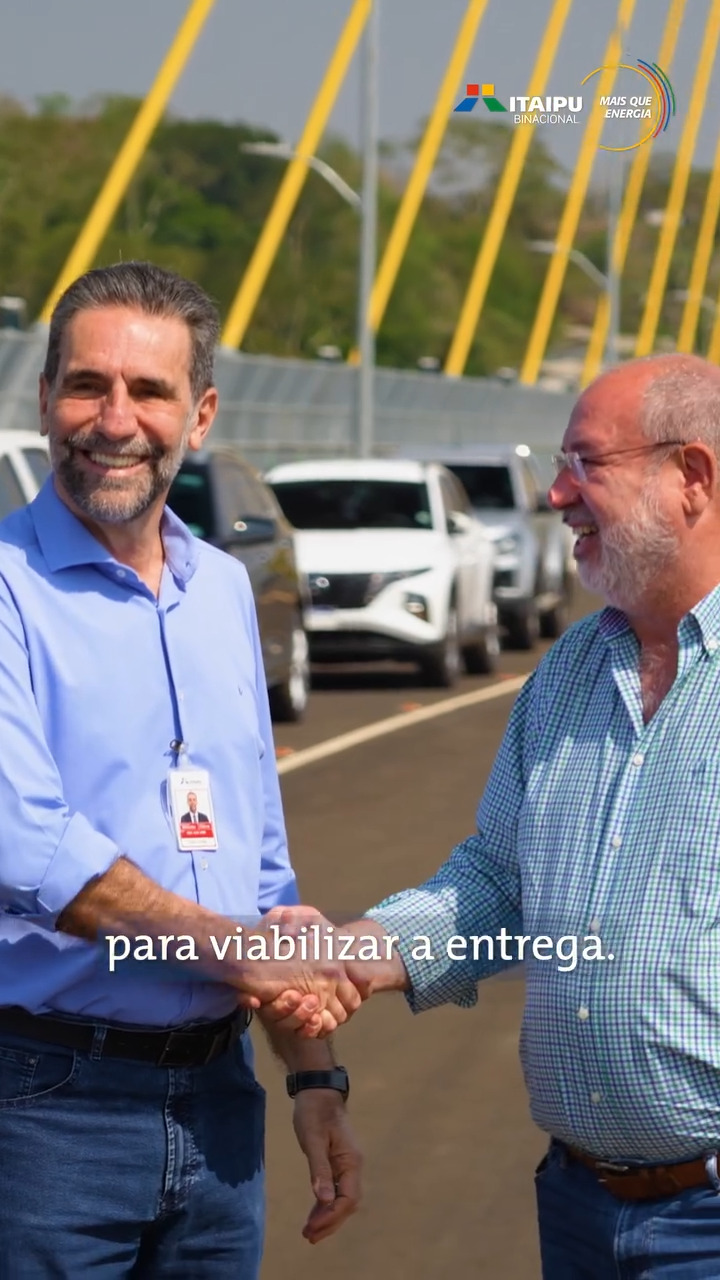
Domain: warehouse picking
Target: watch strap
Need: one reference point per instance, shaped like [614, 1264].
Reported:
[332, 1078]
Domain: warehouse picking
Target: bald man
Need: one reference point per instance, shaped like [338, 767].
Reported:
[597, 849]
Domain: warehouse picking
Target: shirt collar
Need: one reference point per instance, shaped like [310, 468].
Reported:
[703, 617]
[66, 542]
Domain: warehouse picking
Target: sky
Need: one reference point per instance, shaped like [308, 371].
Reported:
[261, 61]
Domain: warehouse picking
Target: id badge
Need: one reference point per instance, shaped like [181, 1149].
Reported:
[192, 808]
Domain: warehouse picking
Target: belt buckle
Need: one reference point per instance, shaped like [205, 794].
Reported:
[173, 1055]
[608, 1170]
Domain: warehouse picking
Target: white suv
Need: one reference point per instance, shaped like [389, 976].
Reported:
[397, 564]
[24, 465]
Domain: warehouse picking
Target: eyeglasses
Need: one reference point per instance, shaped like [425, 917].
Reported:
[577, 463]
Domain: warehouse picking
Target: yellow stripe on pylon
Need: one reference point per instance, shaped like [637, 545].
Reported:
[490, 247]
[82, 254]
[258, 269]
[574, 202]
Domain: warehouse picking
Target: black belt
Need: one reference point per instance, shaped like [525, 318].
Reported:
[189, 1046]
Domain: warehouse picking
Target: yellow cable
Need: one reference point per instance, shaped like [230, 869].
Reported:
[258, 268]
[490, 247]
[629, 208]
[701, 260]
[713, 351]
[574, 202]
[82, 254]
[678, 185]
[425, 160]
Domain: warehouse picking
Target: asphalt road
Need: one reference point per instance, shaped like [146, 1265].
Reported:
[438, 1101]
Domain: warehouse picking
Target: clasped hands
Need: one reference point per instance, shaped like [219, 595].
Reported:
[311, 997]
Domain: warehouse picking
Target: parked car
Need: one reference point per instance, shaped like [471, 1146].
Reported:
[223, 500]
[534, 568]
[24, 466]
[397, 565]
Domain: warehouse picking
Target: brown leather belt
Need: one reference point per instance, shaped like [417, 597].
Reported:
[643, 1182]
[189, 1046]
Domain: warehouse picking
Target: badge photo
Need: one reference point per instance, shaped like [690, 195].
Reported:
[192, 809]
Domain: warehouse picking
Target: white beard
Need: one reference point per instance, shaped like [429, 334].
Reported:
[634, 552]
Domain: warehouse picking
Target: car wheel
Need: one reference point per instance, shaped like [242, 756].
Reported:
[481, 658]
[441, 667]
[523, 627]
[288, 699]
[554, 622]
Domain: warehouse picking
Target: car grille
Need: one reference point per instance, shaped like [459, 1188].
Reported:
[340, 590]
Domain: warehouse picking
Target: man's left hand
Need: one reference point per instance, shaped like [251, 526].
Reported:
[323, 1131]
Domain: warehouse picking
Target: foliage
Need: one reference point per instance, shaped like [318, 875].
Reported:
[198, 202]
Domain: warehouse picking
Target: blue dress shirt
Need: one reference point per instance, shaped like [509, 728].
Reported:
[594, 823]
[97, 678]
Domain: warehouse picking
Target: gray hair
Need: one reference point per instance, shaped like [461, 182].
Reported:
[682, 402]
[150, 289]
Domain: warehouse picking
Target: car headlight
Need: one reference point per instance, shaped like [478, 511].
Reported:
[417, 605]
[508, 546]
[379, 581]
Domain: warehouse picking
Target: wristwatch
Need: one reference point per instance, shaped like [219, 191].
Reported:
[333, 1078]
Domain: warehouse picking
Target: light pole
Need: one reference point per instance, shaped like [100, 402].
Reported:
[366, 205]
[606, 283]
[365, 400]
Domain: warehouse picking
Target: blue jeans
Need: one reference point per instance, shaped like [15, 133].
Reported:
[586, 1233]
[119, 1169]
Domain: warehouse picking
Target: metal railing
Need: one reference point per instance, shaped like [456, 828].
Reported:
[276, 408]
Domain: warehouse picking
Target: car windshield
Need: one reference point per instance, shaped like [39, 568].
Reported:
[355, 504]
[487, 485]
[191, 500]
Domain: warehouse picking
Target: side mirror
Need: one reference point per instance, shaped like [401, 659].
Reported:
[459, 522]
[251, 530]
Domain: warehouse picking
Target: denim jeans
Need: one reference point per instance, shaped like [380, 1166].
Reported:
[119, 1169]
[586, 1233]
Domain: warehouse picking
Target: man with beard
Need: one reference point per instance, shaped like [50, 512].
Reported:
[600, 827]
[131, 1122]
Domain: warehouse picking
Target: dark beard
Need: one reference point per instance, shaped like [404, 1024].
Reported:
[112, 499]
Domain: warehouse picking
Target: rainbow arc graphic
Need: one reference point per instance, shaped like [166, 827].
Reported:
[666, 96]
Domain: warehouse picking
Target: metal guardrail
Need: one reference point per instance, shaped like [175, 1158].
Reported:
[277, 409]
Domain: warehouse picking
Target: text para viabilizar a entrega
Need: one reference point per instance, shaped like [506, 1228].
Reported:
[316, 943]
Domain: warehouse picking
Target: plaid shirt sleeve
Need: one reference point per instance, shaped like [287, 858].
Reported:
[476, 892]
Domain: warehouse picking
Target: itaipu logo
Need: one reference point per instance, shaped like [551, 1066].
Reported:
[554, 109]
[655, 102]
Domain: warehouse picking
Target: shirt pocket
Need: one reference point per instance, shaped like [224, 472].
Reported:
[689, 832]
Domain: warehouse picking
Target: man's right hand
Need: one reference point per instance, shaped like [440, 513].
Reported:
[312, 997]
[300, 1008]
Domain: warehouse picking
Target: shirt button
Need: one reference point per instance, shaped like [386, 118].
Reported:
[712, 644]
[616, 842]
[638, 759]
[596, 1096]
[181, 695]
[204, 864]
[583, 1013]
[121, 573]
[594, 926]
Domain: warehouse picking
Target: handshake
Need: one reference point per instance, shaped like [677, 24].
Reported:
[301, 986]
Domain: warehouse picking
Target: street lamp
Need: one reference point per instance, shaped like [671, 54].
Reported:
[366, 206]
[283, 151]
[604, 282]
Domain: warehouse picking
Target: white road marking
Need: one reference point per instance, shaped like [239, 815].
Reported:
[356, 737]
